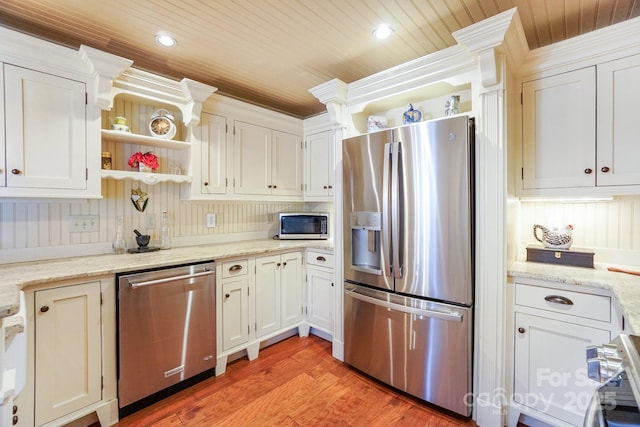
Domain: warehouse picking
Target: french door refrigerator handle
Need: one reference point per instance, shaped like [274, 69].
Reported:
[386, 223]
[451, 317]
[396, 200]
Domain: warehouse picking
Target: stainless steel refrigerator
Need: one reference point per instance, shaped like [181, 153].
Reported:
[408, 258]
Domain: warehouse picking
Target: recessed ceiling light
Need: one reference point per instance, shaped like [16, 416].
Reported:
[382, 31]
[165, 40]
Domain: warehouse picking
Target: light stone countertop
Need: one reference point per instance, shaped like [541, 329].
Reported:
[16, 276]
[625, 287]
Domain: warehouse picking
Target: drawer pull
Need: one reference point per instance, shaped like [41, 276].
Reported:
[321, 258]
[234, 268]
[558, 299]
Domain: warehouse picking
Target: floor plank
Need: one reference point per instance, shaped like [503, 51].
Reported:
[295, 382]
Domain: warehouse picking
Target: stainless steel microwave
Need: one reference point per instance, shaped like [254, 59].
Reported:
[303, 226]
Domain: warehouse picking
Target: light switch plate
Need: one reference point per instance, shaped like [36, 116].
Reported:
[84, 223]
[211, 220]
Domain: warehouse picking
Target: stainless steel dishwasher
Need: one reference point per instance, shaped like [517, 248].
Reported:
[166, 332]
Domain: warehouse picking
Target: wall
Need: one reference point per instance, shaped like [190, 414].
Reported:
[39, 229]
[610, 228]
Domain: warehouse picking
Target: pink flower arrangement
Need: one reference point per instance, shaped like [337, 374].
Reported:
[148, 159]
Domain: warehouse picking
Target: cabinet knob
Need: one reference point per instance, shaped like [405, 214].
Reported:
[521, 330]
[588, 171]
[16, 171]
[44, 309]
[331, 284]
[325, 187]
[330, 187]
[14, 421]
[275, 186]
[605, 169]
[269, 186]
[278, 264]
[227, 295]
[205, 183]
[284, 264]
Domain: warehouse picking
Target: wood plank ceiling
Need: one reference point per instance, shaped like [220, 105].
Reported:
[270, 52]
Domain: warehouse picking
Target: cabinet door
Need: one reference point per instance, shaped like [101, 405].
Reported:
[618, 149]
[558, 131]
[235, 312]
[286, 161]
[291, 287]
[67, 350]
[320, 289]
[550, 372]
[252, 159]
[268, 296]
[319, 160]
[213, 154]
[45, 130]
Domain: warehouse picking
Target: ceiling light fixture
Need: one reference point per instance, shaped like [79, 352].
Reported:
[382, 31]
[165, 40]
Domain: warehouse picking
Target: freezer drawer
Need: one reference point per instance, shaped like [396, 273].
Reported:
[417, 346]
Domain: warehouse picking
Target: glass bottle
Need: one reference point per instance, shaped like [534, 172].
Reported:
[165, 240]
[119, 244]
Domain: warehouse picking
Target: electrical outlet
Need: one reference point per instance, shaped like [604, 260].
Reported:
[211, 220]
[84, 223]
[150, 220]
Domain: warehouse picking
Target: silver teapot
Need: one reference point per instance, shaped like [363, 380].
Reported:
[554, 238]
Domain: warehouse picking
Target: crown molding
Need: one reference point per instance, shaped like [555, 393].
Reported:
[606, 44]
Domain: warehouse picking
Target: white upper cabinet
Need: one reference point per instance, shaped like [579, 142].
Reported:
[212, 143]
[559, 131]
[266, 162]
[46, 134]
[286, 164]
[578, 132]
[252, 159]
[618, 148]
[319, 166]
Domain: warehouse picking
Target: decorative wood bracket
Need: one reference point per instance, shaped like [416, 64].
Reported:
[334, 95]
[104, 68]
[114, 75]
[488, 39]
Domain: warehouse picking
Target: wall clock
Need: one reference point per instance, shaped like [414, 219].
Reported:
[161, 125]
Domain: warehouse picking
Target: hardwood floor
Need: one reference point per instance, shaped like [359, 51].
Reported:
[295, 382]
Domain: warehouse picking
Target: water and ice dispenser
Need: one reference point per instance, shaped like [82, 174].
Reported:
[366, 255]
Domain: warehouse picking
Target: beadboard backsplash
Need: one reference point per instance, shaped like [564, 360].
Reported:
[610, 228]
[35, 230]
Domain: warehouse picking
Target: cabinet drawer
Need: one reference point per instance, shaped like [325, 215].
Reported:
[321, 259]
[235, 268]
[589, 306]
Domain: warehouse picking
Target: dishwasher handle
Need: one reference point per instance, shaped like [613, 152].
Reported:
[135, 285]
[451, 317]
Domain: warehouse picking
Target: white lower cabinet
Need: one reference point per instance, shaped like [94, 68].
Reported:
[278, 292]
[71, 347]
[257, 299]
[320, 291]
[234, 285]
[553, 328]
